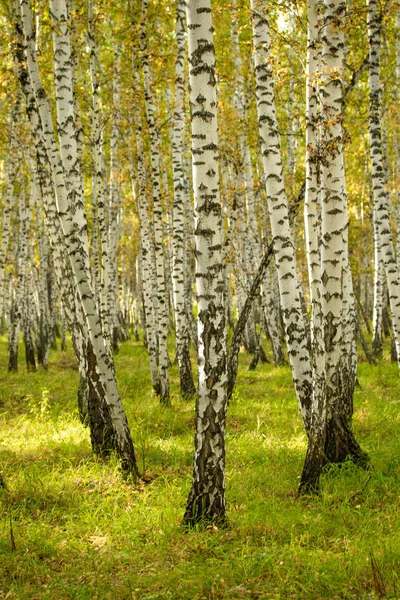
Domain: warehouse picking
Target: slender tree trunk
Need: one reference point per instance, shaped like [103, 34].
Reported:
[70, 207]
[115, 210]
[233, 361]
[285, 256]
[380, 189]
[14, 326]
[206, 501]
[178, 249]
[24, 268]
[331, 439]
[397, 213]
[147, 264]
[8, 198]
[162, 302]
[99, 227]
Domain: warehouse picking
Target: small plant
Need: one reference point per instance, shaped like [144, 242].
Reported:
[40, 408]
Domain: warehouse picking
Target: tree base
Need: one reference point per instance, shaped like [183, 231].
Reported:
[334, 445]
[200, 511]
[187, 387]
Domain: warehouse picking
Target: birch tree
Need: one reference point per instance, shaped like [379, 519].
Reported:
[162, 303]
[179, 241]
[67, 178]
[206, 499]
[330, 438]
[285, 257]
[383, 233]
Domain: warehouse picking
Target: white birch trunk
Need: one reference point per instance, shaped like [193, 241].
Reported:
[206, 499]
[147, 252]
[7, 211]
[397, 213]
[99, 244]
[379, 292]
[380, 190]
[330, 438]
[70, 207]
[162, 300]
[178, 249]
[285, 256]
[247, 245]
[113, 300]
[24, 273]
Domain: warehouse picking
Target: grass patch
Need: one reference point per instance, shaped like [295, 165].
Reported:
[82, 533]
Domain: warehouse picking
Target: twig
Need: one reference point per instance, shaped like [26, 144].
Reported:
[379, 583]
[12, 539]
[359, 492]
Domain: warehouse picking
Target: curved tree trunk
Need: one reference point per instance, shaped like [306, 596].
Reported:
[285, 256]
[70, 207]
[61, 272]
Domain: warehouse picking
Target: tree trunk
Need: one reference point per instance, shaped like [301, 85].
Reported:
[178, 249]
[330, 438]
[162, 302]
[380, 188]
[70, 207]
[285, 256]
[206, 501]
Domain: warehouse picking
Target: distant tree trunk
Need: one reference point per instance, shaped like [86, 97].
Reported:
[233, 361]
[379, 292]
[206, 501]
[43, 337]
[146, 258]
[24, 280]
[14, 327]
[115, 211]
[248, 249]
[8, 202]
[178, 249]
[189, 254]
[162, 301]
[380, 188]
[397, 214]
[99, 227]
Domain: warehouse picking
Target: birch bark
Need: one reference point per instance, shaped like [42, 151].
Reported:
[379, 292]
[91, 403]
[99, 241]
[162, 299]
[113, 300]
[206, 501]
[285, 257]
[178, 249]
[147, 264]
[380, 189]
[331, 439]
[70, 207]
[7, 210]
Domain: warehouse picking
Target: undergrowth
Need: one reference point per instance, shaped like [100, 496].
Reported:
[71, 528]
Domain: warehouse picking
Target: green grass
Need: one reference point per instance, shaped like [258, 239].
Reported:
[81, 532]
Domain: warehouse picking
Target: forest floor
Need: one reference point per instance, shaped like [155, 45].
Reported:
[71, 528]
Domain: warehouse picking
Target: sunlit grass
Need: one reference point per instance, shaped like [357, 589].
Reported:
[81, 532]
